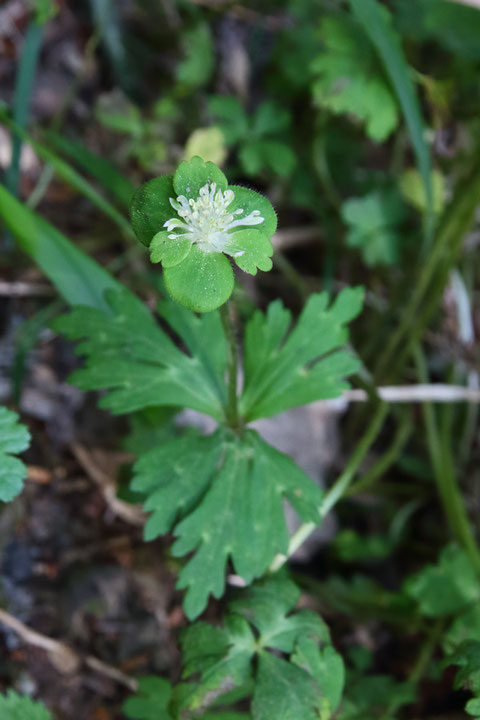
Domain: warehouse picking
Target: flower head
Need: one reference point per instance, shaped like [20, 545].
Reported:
[207, 220]
[210, 220]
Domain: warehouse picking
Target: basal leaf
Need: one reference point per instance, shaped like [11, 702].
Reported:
[447, 587]
[326, 666]
[220, 656]
[221, 663]
[130, 355]
[14, 438]
[18, 707]
[285, 371]
[285, 692]
[350, 79]
[151, 700]
[373, 222]
[268, 606]
[219, 487]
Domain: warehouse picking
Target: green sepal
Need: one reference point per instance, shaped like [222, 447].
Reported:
[251, 250]
[249, 200]
[169, 251]
[150, 208]
[202, 282]
[191, 175]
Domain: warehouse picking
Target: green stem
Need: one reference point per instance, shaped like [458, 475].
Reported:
[340, 486]
[426, 294]
[401, 437]
[444, 473]
[231, 409]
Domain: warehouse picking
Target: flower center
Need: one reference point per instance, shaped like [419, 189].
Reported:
[207, 220]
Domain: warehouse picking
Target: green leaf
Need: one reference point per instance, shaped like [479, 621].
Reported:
[465, 626]
[467, 658]
[285, 692]
[326, 666]
[179, 470]
[222, 662]
[14, 438]
[275, 155]
[129, 354]
[250, 156]
[192, 175]
[278, 156]
[202, 282]
[197, 67]
[150, 207]
[413, 190]
[447, 587]
[230, 116]
[250, 249]
[220, 656]
[456, 27]
[18, 707]
[372, 222]
[231, 480]
[270, 119]
[371, 696]
[80, 280]
[169, 252]
[285, 371]
[268, 604]
[349, 79]
[150, 701]
[376, 23]
[473, 707]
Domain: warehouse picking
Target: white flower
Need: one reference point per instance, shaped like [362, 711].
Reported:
[207, 220]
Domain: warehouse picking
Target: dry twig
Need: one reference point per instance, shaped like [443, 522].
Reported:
[63, 657]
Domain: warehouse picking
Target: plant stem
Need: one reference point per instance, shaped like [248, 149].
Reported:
[401, 437]
[340, 486]
[231, 409]
[444, 473]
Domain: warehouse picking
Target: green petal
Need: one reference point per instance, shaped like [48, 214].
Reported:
[250, 200]
[167, 250]
[202, 282]
[250, 249]
[191, 175]
[150, 208]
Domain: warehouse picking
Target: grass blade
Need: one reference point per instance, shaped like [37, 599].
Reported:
[374, 20]
[70, 176]
[78, 278]
[97, 166]
[23, 92]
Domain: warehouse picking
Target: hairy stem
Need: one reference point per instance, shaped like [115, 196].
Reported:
[444, 473]
[231, 409]
[340, 486]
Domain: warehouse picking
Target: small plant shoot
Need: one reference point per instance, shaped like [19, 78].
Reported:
[239, 360]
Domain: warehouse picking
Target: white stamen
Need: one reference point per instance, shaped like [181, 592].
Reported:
[207, 220]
